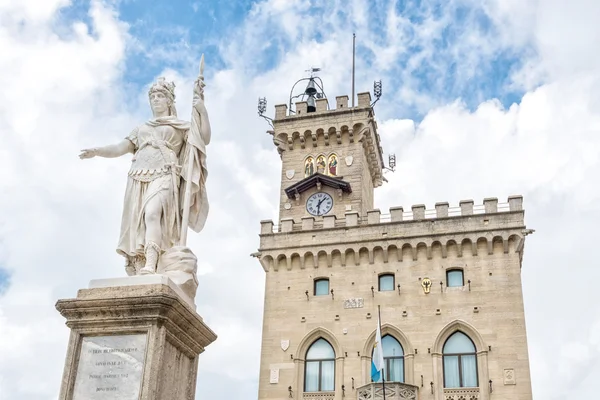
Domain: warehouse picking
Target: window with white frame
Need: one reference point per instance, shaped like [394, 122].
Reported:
[460, 362]
[319, 367]
[393, 357]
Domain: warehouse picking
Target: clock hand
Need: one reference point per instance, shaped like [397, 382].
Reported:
[319, 206]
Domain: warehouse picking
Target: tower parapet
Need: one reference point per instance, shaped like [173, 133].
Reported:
[483, 228]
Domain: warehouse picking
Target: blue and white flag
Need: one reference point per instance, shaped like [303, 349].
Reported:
[377, 363]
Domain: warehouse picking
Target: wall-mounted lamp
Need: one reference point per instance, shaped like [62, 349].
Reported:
[490, 348]
[372, 291]
[290, 391]
[416, 351]
[491, 388]
[346, 353]
[332, 298]
[421, 380]
[358, 353]
[307, 297]
[431, 387]
[441, 286]
[398, 288]
[291, 356]
[469, 281]
[352, 383]
[343, 390]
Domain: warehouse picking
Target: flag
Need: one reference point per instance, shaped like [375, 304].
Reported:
[377, 363]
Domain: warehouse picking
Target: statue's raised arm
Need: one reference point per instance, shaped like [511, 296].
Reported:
[166, 189]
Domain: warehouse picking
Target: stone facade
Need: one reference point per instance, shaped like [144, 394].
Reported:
[354, 244]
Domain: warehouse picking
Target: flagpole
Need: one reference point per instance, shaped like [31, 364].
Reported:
[383, 374]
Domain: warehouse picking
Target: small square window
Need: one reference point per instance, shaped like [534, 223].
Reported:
[386, 282]
[454, 278]
[321, 287]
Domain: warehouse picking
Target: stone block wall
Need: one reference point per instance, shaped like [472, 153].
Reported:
[485, 242]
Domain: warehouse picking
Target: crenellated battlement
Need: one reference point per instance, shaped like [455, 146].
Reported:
[397, 214]
[340, 106]
[401, 235]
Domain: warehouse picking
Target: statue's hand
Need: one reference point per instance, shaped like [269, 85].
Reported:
[199, 91]
[88, 153]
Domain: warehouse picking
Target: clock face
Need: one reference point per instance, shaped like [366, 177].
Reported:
[319, 204]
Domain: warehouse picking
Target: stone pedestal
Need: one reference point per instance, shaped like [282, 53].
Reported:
[135, 338]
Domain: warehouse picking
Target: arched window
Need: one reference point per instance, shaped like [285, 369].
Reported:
[460, 362]
[454, 278]
[319, 372]
[393, 357]
[386, 282]
[321, 287]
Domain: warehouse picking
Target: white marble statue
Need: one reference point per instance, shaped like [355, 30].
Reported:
[166, 190]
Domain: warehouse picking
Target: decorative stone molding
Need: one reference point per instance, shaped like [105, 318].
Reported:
[462, 394]
[318, 396]
[393, 391]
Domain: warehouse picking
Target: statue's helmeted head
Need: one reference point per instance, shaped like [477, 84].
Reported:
[168, 90]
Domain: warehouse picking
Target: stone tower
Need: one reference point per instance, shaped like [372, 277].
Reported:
[447, 280]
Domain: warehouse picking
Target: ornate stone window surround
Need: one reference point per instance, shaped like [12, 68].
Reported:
[481, 351]
[300, 361]
[409, 355]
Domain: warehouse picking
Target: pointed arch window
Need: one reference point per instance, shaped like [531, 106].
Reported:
[319, 368]
[393, 357]
[460, 362]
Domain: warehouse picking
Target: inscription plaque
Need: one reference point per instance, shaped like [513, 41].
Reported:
[354, 303]
[110, 367]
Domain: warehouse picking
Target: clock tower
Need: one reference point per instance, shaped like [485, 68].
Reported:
[446, 280]
[331, 159]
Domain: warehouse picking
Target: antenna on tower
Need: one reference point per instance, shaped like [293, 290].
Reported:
[262, 108]
[377, 91]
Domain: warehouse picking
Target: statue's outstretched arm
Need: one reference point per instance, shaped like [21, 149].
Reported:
[110, 151]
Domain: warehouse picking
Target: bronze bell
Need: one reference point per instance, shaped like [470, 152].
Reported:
[311, 88]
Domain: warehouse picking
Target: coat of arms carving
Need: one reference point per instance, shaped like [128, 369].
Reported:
[285, 344]
[349, 160]
[290, 173]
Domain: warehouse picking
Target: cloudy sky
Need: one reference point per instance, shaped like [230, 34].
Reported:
[482, 98]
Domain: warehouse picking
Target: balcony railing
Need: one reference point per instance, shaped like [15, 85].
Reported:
[393, 391]
[461, 394]
[319, 396]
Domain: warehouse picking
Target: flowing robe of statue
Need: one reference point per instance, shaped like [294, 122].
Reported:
[160, 163]
[160, 177]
